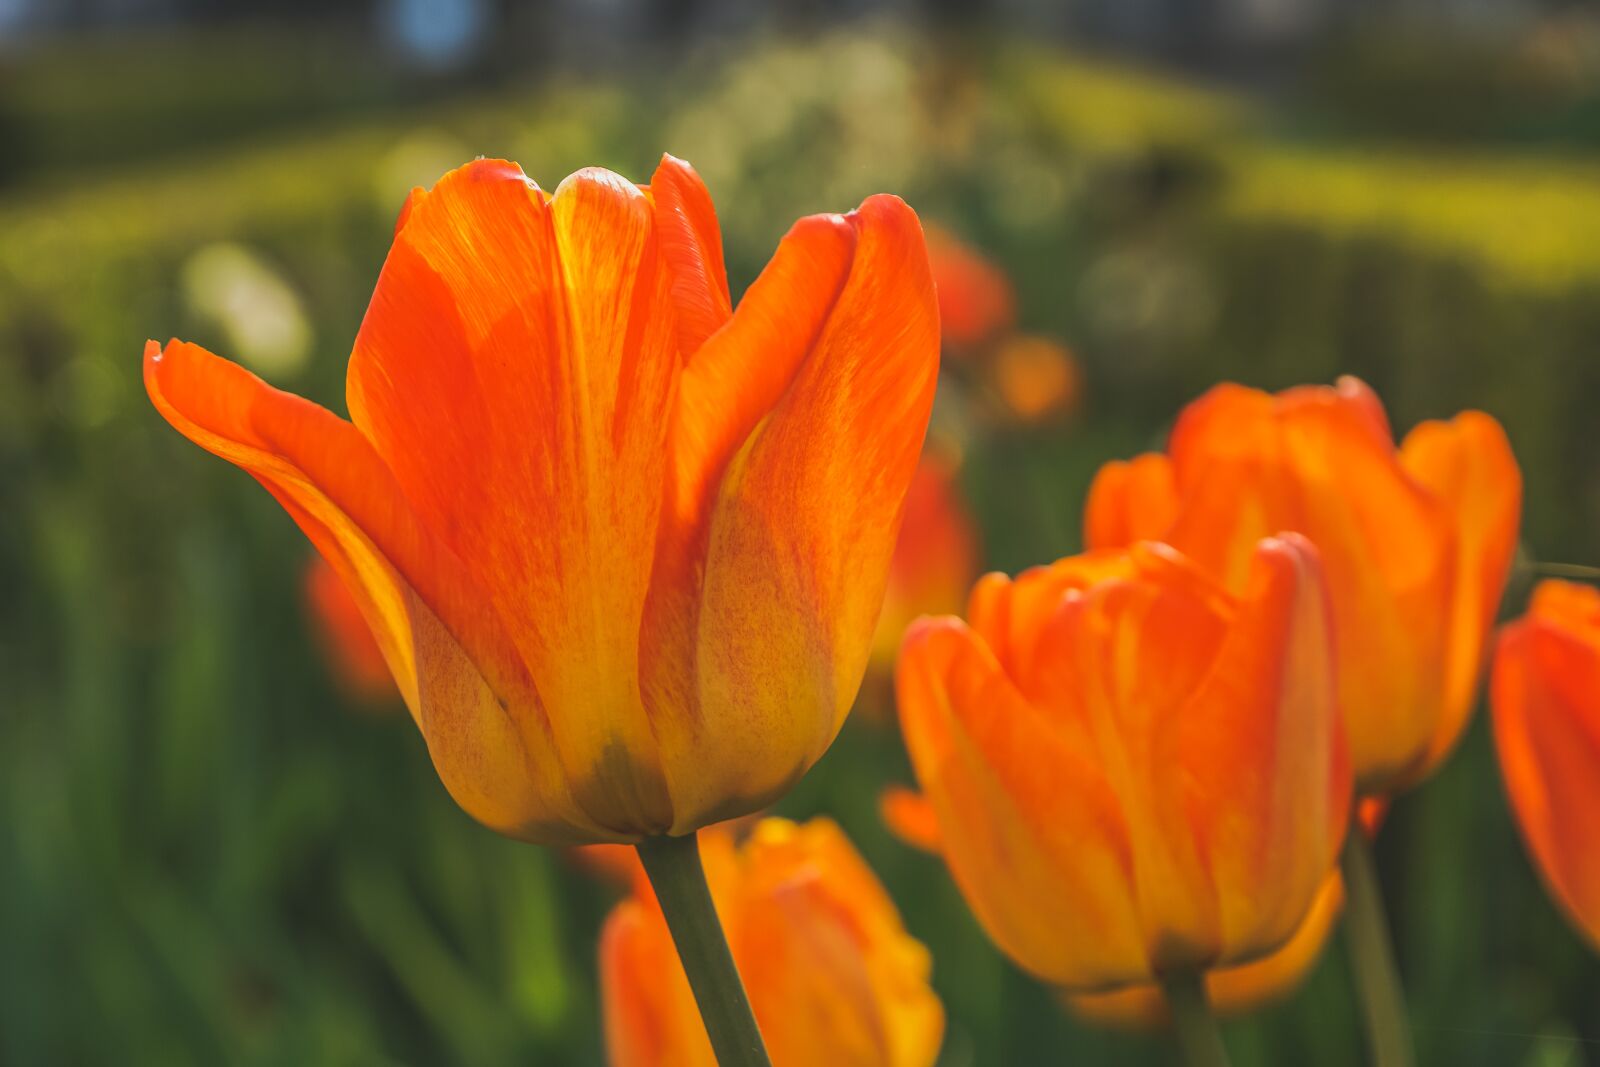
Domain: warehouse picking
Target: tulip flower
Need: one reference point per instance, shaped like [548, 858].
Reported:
[352, 650]
[622, 544]
[1545, 694]
[976, 301]
[832, 974]
[625, 547]
[1416, 542]
[1138, 775]
[935, 559]
[1231, 991]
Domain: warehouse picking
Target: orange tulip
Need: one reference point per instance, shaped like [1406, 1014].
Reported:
[622, 546]
[1136, 773]
[832, 975]
[976, 301]
[1230, 991]
[1417, 543]
[617, 865]
[1546, 699]
[935, 559]
[353, 652]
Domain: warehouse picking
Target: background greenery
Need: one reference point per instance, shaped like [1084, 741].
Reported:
[208, 855]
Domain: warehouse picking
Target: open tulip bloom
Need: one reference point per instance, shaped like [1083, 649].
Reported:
[623, 546]
[1138, 776]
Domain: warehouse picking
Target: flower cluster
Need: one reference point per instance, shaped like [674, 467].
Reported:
[627, 548]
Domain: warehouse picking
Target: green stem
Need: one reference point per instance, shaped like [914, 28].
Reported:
[1565, 570]
[1192, 1021]
[1383, 1002]
[673, 864]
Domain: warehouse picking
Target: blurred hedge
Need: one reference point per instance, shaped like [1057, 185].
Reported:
[208, 858]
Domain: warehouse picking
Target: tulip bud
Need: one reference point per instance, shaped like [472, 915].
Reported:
[832, 975]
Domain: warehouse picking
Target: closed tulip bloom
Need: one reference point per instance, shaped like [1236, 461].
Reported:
[1137, 774]
[353, 652]
[1545, 694]
[623, 546]
[832, 974]
[1416, 543]
[1230, 991]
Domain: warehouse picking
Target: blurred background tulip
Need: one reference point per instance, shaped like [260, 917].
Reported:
[976, 301]
[832, 974]
[1416, 542]
[1036, 378]
[1546, 697]
[353, 652]
[1136, 773]
[936, 559]
[1417, 546]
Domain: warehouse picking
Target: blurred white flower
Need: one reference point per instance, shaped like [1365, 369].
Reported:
[264, 324]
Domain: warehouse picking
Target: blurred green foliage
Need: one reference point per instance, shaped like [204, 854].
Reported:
[208, 856]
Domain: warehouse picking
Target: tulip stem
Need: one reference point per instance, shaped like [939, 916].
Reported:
[673, 864]
[1192, 1021]
[1371, 951]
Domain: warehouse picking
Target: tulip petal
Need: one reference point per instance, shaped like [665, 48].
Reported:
[1546, 704]
[1468, 464]
[805, 518]
[841, 982]
[1130, 501]
[456, 679]
[516, 371]
[731, 383]
[1010, 614]
[1024, 812]
[738, 376]
[1120, 662]
[691, 246]
[1316, 461]
[1267, 803]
